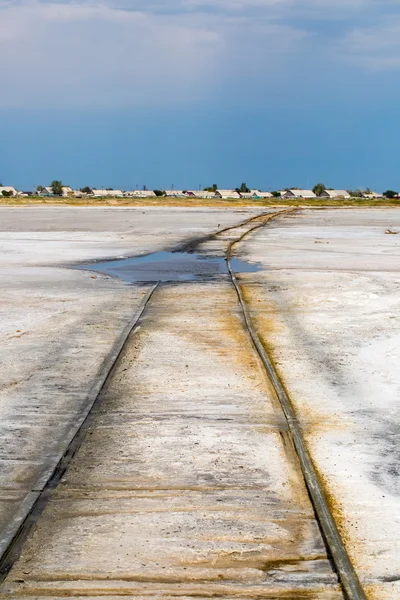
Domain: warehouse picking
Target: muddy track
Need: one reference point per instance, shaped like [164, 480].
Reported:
[193, 244]
[346, 573]
[13, 538]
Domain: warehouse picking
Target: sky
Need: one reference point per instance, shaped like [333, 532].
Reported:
[127, 93]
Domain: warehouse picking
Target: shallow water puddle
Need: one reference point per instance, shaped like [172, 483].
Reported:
[168, 266]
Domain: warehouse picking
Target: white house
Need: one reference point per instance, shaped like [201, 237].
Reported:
[372, 196]
[335, 194]
[299, 194]
[174, 193]
[79, 194]
[47, 191]
[108, 193]
[255, 194]
[8, 189]
[258, 194]
[227, 194]
[139, 194]
[201, 194]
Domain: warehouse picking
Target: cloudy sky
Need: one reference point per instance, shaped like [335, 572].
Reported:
[191, 92]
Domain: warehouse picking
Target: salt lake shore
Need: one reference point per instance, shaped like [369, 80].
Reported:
[186, 484]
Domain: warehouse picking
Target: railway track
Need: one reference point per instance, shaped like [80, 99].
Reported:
[138, 489]
[12, 540]
[347, 574]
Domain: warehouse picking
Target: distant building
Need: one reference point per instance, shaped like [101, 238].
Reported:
[335, 194]
[79, 194]
[372, 196]
[174, 193]
[227, 194]
[139, 194]
[108, 193]
[46, 191]
[258, 194]
[255, 194]
[200, 194]
[9, 189]
[298, 194]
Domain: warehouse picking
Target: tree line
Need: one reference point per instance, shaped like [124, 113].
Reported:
[57, 190]
[320, 187]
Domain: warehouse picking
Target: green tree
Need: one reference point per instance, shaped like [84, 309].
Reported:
[39, 188]
[6, 194]
[212, 188]
[243, 189]
[159, 193]
[390, 194]
[86, 190]
[276, 194]
[355, 193]
[57, 188]
[318, 189]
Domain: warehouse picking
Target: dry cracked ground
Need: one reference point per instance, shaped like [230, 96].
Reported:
[186, 483]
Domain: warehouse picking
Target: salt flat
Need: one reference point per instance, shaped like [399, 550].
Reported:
[186, 483]
[327, 304]
[58, 324]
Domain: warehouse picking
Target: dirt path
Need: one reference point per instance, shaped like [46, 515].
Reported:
[186, 484]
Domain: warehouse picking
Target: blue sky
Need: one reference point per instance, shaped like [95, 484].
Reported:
[126, 93]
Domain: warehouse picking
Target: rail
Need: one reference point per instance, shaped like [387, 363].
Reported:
[13, 538]
[347, 575]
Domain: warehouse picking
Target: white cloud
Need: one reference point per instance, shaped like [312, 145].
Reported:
[76, 54]
[160, 52]
[59, 53]
[375, 48]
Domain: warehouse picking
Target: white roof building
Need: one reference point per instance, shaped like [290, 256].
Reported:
[201, 194]
[109, 193]
[174, 193]
[255, 194]
[258, 194]
[334, 194]
[227, 194]
[139, 194]
[299, 194]
[372, 196]
[8, 189]
[66, 191]
[80, 194]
